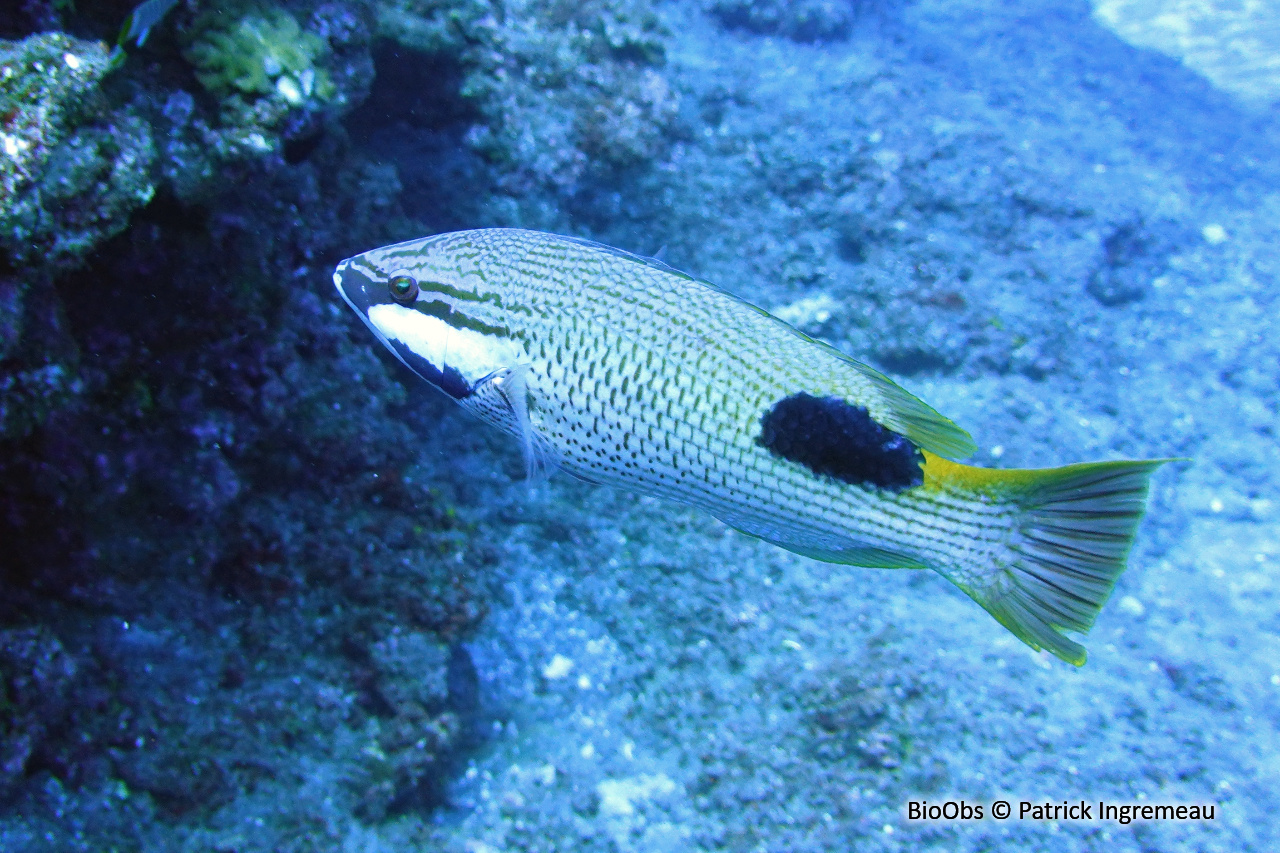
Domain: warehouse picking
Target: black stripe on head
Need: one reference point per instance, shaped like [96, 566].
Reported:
[451, 382]
[833, 438]
[448, 380]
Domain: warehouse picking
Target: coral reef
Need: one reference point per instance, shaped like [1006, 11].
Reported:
[276, 84]
[85, 193]
[46, 84]
[208, 414]
[78, 160]
[566, 91]
[72, 171]
[416, 732]
[580, 93]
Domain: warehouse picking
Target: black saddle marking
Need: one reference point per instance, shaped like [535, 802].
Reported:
[832, 438]
[449, 380]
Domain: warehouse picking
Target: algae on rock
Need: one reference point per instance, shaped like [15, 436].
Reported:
[73, 172]
[46, 83]
[262, 53]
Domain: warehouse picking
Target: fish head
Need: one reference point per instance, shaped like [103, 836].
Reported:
[419, 299]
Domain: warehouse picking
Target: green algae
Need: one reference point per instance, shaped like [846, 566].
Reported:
[263, 52]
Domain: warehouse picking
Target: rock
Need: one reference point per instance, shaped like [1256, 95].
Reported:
[36, 675]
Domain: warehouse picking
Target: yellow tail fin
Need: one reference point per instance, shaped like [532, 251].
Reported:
[1070, 544]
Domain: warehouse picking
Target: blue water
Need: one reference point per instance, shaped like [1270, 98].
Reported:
[265, 590]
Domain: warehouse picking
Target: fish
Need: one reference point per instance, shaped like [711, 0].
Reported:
[136, 27]
[139, 23]
[626, 372]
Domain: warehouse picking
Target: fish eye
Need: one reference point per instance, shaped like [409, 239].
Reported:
[403, 289]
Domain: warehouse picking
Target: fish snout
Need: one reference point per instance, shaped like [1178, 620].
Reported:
[357, 288]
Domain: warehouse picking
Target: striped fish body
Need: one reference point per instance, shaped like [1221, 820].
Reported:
[628, 373]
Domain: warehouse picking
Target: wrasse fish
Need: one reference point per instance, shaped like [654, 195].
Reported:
[626, 372]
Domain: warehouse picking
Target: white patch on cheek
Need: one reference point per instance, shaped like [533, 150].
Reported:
[473, 354]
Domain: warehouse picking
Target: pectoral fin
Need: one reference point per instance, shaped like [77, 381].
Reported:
[502, 398]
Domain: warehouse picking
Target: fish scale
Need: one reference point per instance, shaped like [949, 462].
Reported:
[726, 454]
[625, 372]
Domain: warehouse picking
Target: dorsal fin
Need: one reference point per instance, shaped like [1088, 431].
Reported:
[907, 414]
[655, 263]
[895, 408]
[903, 412]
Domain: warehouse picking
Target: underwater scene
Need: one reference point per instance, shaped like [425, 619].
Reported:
[639, 425]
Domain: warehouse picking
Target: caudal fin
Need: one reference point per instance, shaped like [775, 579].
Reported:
[1070, 543]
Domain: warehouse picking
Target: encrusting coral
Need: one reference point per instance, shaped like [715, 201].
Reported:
[47, 83]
